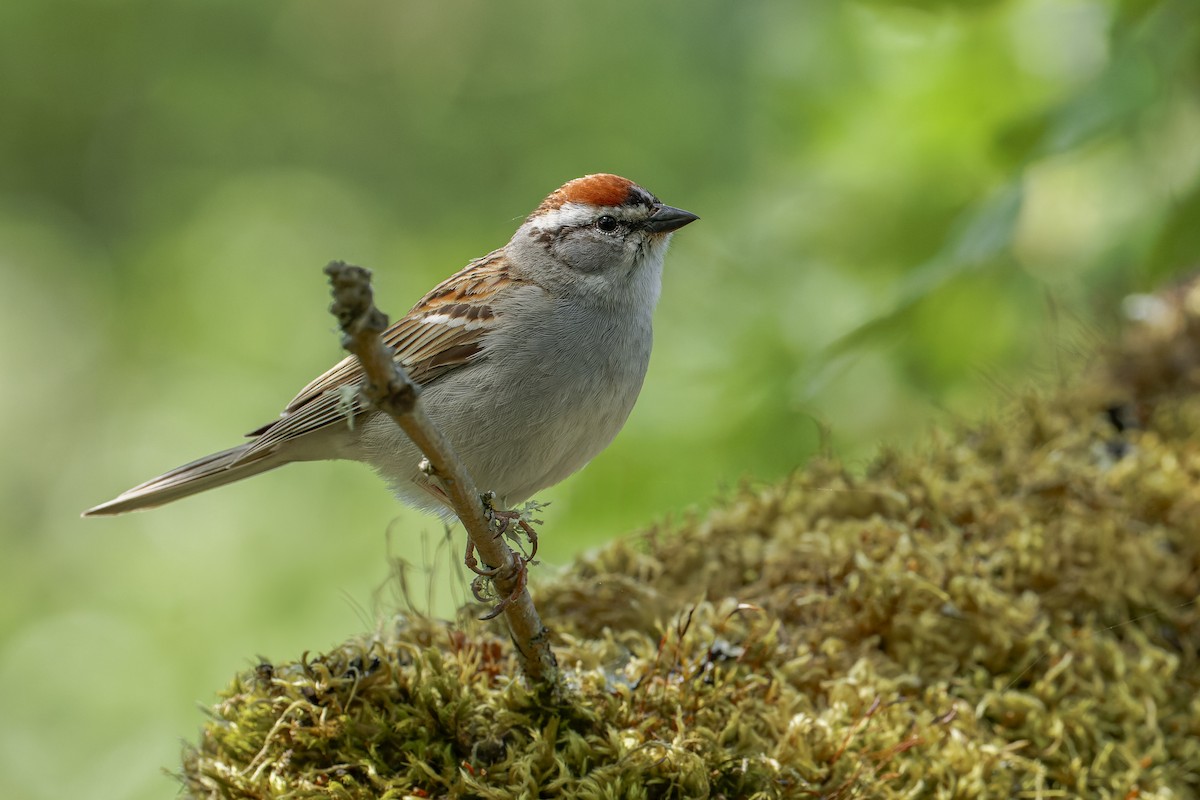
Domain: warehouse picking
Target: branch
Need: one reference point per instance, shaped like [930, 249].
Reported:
[390, 390]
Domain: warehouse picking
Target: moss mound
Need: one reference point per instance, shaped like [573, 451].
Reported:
[1009, 613]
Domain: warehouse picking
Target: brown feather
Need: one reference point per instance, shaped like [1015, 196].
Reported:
[445, 330]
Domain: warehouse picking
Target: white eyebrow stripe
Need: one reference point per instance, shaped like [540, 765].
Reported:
[572, 214]
[568, 215]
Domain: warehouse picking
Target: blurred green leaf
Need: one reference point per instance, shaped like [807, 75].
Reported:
[1176, 248]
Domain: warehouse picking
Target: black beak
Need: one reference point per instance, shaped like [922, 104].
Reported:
[666, 219]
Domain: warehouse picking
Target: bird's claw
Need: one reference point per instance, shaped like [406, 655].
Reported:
[505, 523]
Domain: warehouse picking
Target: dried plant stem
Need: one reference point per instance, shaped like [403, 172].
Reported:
[390, 390]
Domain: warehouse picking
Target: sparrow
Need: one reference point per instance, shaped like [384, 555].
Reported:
[530, 360]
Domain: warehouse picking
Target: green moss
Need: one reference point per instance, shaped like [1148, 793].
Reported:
[1009, 613]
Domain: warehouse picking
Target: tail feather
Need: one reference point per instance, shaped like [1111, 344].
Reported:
[200, 475]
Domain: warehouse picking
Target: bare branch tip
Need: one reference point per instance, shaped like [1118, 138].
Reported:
[353, 298]
[341, 271]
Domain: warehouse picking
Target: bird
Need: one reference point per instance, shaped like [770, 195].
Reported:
[530, 360]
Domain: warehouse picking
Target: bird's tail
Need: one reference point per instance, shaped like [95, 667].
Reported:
[200, 475]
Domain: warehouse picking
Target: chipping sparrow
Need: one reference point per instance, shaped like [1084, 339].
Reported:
[531, 359]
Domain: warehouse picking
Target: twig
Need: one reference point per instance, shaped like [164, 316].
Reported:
[390, 390]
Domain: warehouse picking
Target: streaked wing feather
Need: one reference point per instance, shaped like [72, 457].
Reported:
[441, 333]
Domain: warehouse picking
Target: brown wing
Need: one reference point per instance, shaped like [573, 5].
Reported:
[443, 331]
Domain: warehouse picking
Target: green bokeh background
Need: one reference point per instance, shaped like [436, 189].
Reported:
[907, 209]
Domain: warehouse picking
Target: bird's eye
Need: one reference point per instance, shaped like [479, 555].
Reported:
[606, 224]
